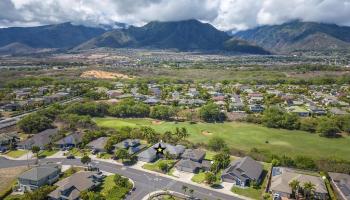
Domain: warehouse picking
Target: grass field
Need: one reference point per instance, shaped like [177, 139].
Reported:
[16, 153]
[245, 136]
[8, 177]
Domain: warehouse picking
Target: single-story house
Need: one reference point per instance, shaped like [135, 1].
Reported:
[300, 111]
[192, 161]
[341, 185]
[38, 176]
[242, 172]
[71, 140]
[98, 144]
[71, 187]
[196, 155]
[6, 139]
[149, 155]
[281, 178]
[40, 139]
[125, 144]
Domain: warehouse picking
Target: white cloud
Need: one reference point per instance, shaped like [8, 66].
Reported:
[224, 14]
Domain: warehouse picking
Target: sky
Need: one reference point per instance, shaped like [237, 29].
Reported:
[223, 14]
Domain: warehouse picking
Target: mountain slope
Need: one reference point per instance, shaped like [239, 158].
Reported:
[184, 35]
[298, 35]
[63, 35]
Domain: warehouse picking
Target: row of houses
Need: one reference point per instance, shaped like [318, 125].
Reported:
[68, 188]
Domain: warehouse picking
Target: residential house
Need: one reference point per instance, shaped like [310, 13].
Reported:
[150, 154]
[71, 187]
[341, 185]
[314, 110]
[151, 101]
[12, 107]
[38, 176]
[71, 140]
[256, 108]
[114, 94]
[41, 139]
[242, 172]
[300, 111]
[192, 161]
[281, 178]
[237, 104]
[337, 111]
[132, 145]
[98, 145]
[6, 139]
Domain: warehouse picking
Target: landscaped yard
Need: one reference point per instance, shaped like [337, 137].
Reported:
[111, 191]
[16, 153]
[156, 166]
[254, 193]
[79, 152]
[245, 136]
[200, 178]
[47, 153]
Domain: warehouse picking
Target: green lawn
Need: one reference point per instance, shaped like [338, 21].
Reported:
[200, 178]
[16, 153]
[79, 152]
[254, 193]
[245, 136]
[47, 153]
[111, 191]
[155, 166]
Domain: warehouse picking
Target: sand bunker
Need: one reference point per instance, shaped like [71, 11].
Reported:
[206, 133]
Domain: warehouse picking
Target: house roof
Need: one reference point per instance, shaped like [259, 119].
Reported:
[171, 149]
[74, 138]
[281, 177]
[244, 168]
[73, 185]
[127, 143]
[40, 139]
[194, 154]
[38, 173]
[99, 143]
[148, 153]
[342, 181]
[188, 164]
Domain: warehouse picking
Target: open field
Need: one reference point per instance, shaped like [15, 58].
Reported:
[8, 177]
[246, 136]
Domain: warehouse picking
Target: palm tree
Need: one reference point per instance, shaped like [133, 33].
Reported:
[309, 189]
[294, 185]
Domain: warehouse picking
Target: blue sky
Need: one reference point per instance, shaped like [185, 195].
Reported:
[223, 14]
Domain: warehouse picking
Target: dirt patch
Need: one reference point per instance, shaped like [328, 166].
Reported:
[206, 133]
[103, 75]
[157, 122]
[9, 175]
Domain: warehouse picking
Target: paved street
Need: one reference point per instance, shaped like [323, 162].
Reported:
[144, 182]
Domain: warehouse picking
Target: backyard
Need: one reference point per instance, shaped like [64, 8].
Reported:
[245, 136]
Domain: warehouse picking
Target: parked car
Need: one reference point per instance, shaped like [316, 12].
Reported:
[70, 156]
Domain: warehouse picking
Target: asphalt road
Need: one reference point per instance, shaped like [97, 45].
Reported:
[145, 183]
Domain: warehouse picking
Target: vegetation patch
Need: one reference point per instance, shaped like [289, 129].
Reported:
[16, 153]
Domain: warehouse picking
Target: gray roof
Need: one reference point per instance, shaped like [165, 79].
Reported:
[73, 185]
[148, 153]
[38, 173]
[171, 149]
[99, 143]
[127, 143]
[281, 177]
[40, 139]
[244, 168]
[188, 164]
[74, 138]
[193, 154]
[342, 182]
